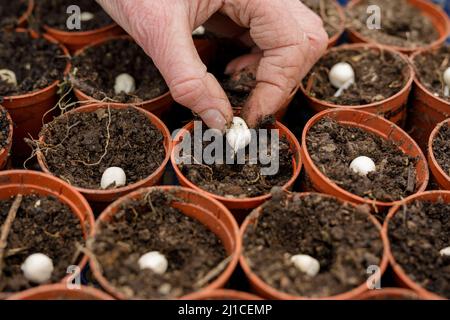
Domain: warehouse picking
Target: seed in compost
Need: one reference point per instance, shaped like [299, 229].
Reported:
[341, 77]
[152, 223]
[43, 225]
[200, 31]
[402, 24]
[95, 72]
[378, 75]
[417, 233]
[86, 16]
[333, 146]
[35, 63]
[363, 165]
[445, 252]
[340, 236]
[154, 261]
[113, 177]
[306, 264]
[441, 148]
[85, 144]
[238, 135]
[38, 268]
[11, 11]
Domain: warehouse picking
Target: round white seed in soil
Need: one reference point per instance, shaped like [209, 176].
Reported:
[154, 261]
[363, 165]
[38, 268]
[445, 252]
[199, 31]
[306, 264]
[341, 77]
[124, 83]
[446, 77]
[113, 176]
[86, 16]
[238, 135]
[8, 76]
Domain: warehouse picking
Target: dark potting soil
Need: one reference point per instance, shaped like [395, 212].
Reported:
[152, 224]
[378, 75]
[327, 10]
[42, 225]
[417, 233]
[238, 180]
[402, 24]
[11, 11]
[4, 129]
[75, 144]
[37, 63]
[339, 236]
[441, 148]
[430, 67]
[94, 72]
[333, 147]
[239, 86]
[53, 13]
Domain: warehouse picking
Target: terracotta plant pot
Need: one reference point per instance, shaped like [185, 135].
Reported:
[372, 124]
[28, 182]
[402, 278]
[28, 110]
[4, 153]
[392, 108]
[240, 206]
[207, 211]
[157, 106]
[426, 110]
[77, 40]
[23, 20]
[266, 291]
[435, 13]
[223, 294]
[61, 292]
[390, 294]
[442, 179]
[107, 196]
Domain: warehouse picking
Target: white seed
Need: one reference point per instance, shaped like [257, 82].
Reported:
[363, 165]
[38, 268]
[113, 176]
[306, 264]
[8, 76]
[238, 135]
[445, 252]
[341, 77]
[199, 31]
[447, 81]
[154, 261]
[124, 83]
[86, 16]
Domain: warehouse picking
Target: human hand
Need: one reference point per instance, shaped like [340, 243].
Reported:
[287, 37]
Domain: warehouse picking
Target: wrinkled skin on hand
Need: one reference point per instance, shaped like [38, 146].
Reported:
[286, 39]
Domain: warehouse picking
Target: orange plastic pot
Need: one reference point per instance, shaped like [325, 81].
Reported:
[434, 12]
[392, 108]
[157, 106]
[4, 153]
[28, 110]
[107, 196]
[266, 291]
[402, 278]
[238, 206]
[79, 39]
[373, 124]
[439, 175]
[195, 205]
[223, 294]
[426, 110]
[27, 182]
[61, 292]
[390, 294]
[23, 19]
[332, 41]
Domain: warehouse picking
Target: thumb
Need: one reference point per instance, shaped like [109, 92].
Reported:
[168, 41]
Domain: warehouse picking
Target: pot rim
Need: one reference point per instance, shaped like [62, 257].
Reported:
[222, 294]
[390, 291]
[59, 288]
[437, 11]
[24, 17]
[435, 164]
[334, 38]
[355, 198]
[154, 120]
[63, 33]
[260, 283]
[398, 270]
[365, 46]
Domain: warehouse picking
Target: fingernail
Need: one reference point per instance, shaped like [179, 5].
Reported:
[214, 119]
